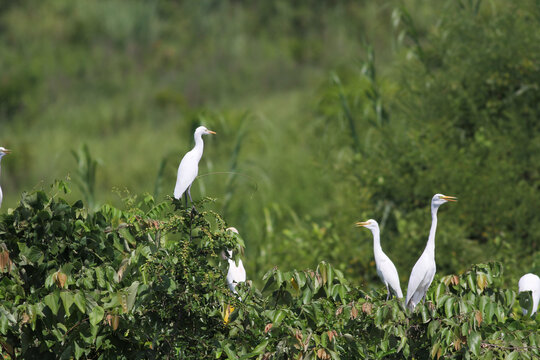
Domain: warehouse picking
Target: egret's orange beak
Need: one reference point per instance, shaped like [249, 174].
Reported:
[361, 223]
[7, 151]
[449, 198]
[211, 132]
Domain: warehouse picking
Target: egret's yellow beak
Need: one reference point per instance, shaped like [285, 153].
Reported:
[361, 223]
[449, 198]
[211, 132]
[7, 151]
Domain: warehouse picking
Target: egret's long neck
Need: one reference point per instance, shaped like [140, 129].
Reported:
[431, 240]
[376, 241]
[199, 144]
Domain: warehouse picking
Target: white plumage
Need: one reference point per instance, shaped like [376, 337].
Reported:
[189, 166]
[385, 267]
[236, 273]
[530, 282]
[424, 270]
[3, 151]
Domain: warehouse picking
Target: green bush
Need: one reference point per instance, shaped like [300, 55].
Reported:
[149, 282]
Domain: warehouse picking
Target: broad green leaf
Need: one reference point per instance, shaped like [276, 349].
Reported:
[53, 302]
[260, 348]
[67, 299]
[474, 340]
[513, 355]
[448, 306]
[132, 295]
[96, 315]
[78, 351]
[80, 301]
[100, 276]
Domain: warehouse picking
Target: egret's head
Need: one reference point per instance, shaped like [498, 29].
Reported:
[233, 229]
[201, 130]
[370, 224]
[439, 199]
[4, 151]
[229, 253]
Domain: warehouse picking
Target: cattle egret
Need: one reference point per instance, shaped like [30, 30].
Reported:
[236, 273]
[189, 166]
[3, 151]
[530, 282]
[424, 270]
[385, 267]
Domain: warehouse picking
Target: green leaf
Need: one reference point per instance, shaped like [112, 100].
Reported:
[448, 307]
[96, 315]
[260, 348]
[67, 299]
[78, 351]
[471, 282]
[80, 301]
[474, 341]
[132, 294]
[439, 291]
[435, 349]
[53, 302]
[100, 276]
[513, 355]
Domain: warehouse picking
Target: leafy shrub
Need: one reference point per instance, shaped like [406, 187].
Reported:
[148, 282]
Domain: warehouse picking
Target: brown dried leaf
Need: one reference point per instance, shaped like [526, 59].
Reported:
[455, 280]
[478, 317]
[3, 262]
[299, 336]
[354, 312]
[481, 281]
[123, 267]
[339, 310]
[60, 279]
[108, 319]
[321, 354]
[267, 356]
[25, 319]
[268, 327]
[115, 322]
[331, 334]
[367, 307]
[457, 344]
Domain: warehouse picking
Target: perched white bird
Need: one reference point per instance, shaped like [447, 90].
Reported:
[189, 166]
[3, 151]
[530, 282]
[385, 267]
[236, 273]
[424, 270]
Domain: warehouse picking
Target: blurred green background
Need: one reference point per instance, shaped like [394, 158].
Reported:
[326, 113]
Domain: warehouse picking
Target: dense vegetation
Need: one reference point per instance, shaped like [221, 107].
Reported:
[326, 113]
[148, 282]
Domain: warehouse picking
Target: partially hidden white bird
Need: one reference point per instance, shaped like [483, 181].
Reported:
[3, 151]
[385, 267]
[424, 270]
[530, 282]
[189, 166]
[236, 273]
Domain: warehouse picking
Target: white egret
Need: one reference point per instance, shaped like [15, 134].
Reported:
[385, 267]
[530, 282]
[3, 151]
[424, 270]
[236, 273]
[189, 166]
